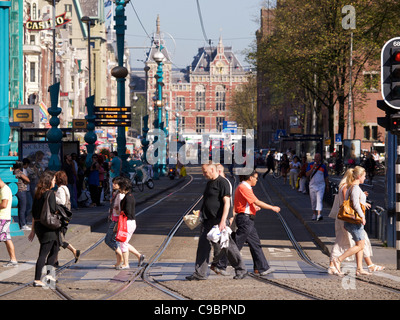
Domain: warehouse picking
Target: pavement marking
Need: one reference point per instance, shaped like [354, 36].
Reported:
[12, 271]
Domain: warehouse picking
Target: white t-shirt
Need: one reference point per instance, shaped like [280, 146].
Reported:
[5, 193]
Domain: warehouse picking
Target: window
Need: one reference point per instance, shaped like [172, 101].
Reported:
[34, 12]
[200, 98]
[32, 72]
[374, 132]
[180, 103]
[367, 133]
[371, 81]
[219, 123]
[220, 98]
[200, 124]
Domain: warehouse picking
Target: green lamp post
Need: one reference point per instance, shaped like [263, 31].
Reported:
[120, 73]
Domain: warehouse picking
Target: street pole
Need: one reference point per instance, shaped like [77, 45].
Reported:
[120, 73]
[6, 161]
[398, 204]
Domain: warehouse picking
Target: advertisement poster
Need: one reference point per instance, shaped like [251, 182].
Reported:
[352, 152]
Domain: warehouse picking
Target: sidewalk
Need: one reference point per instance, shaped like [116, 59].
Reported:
[322, 231]
[84, 220]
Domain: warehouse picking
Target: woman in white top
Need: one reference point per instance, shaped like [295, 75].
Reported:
[354, 192]
[294, 171]
[63, 197]
[344, 241]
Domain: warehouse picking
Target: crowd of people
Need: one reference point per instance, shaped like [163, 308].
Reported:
[38, 187]
[232, 211]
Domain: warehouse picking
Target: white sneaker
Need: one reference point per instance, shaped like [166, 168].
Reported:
[11, 264]
[26, 228]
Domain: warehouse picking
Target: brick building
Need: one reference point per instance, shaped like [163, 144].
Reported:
[199, 96]
[365, 112]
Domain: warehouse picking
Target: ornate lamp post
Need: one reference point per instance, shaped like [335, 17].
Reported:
[54, 134]
[159, 58]
[145, 129]
[120, 72]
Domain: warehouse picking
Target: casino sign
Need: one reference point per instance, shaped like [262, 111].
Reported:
[46, 24]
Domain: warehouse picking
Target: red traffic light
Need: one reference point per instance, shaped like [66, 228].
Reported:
[397, 56]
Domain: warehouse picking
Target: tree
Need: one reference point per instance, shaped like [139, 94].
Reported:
[244, 104]
[306, 57]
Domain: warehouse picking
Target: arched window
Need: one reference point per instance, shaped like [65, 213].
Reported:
[34, 12]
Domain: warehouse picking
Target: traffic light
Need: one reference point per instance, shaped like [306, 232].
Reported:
[390, 76]
[395, 123]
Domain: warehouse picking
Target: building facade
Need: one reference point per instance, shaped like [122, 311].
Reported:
[197, 98]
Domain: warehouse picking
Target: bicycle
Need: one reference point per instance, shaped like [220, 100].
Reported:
[139, 177]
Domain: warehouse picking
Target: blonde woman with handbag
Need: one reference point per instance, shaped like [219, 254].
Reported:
[344, 241]
[354, 178]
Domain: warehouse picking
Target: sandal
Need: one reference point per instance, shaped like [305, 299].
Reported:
[362, 272]
[336, 262]
[333, 271]
[374, 267]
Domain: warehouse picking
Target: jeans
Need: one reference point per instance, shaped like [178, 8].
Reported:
[110, 236]
[22, 207]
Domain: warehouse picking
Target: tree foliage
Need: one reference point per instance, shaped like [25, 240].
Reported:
[306, 57]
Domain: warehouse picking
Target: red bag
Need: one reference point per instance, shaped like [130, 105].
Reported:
[122, 232]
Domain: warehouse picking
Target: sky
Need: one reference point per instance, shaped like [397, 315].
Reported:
[235, 20]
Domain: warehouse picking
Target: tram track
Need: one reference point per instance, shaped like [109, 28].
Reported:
[64, 295]
[368, 280]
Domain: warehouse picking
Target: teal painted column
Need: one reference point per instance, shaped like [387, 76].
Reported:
[120, 73]
[145, 142]
[6, 162]
[54, 134]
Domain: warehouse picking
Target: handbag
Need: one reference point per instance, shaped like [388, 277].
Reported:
[122, 231]
[348, 214]
[49, 219]
[193, 220]
[335, 208]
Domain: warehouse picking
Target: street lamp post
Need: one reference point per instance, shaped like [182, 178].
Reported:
[120, 72]
[159, 58]
[90, 136]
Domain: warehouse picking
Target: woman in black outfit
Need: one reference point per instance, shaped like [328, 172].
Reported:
[49, 239]
[128, 207]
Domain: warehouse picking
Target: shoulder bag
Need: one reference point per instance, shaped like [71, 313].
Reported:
[348, 214]
[49, 219]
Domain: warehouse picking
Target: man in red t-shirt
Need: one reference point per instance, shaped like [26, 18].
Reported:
[246, 204]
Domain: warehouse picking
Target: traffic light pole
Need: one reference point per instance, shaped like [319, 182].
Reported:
[398, 204]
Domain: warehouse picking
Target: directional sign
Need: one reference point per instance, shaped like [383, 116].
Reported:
[113, 116]
[338, 138]
[112, 123]
[112, 109]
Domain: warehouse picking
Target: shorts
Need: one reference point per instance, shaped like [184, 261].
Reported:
[356, 230]
[5, 230]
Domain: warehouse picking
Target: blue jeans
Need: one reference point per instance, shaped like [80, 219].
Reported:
[22, 207]
[110, 236]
